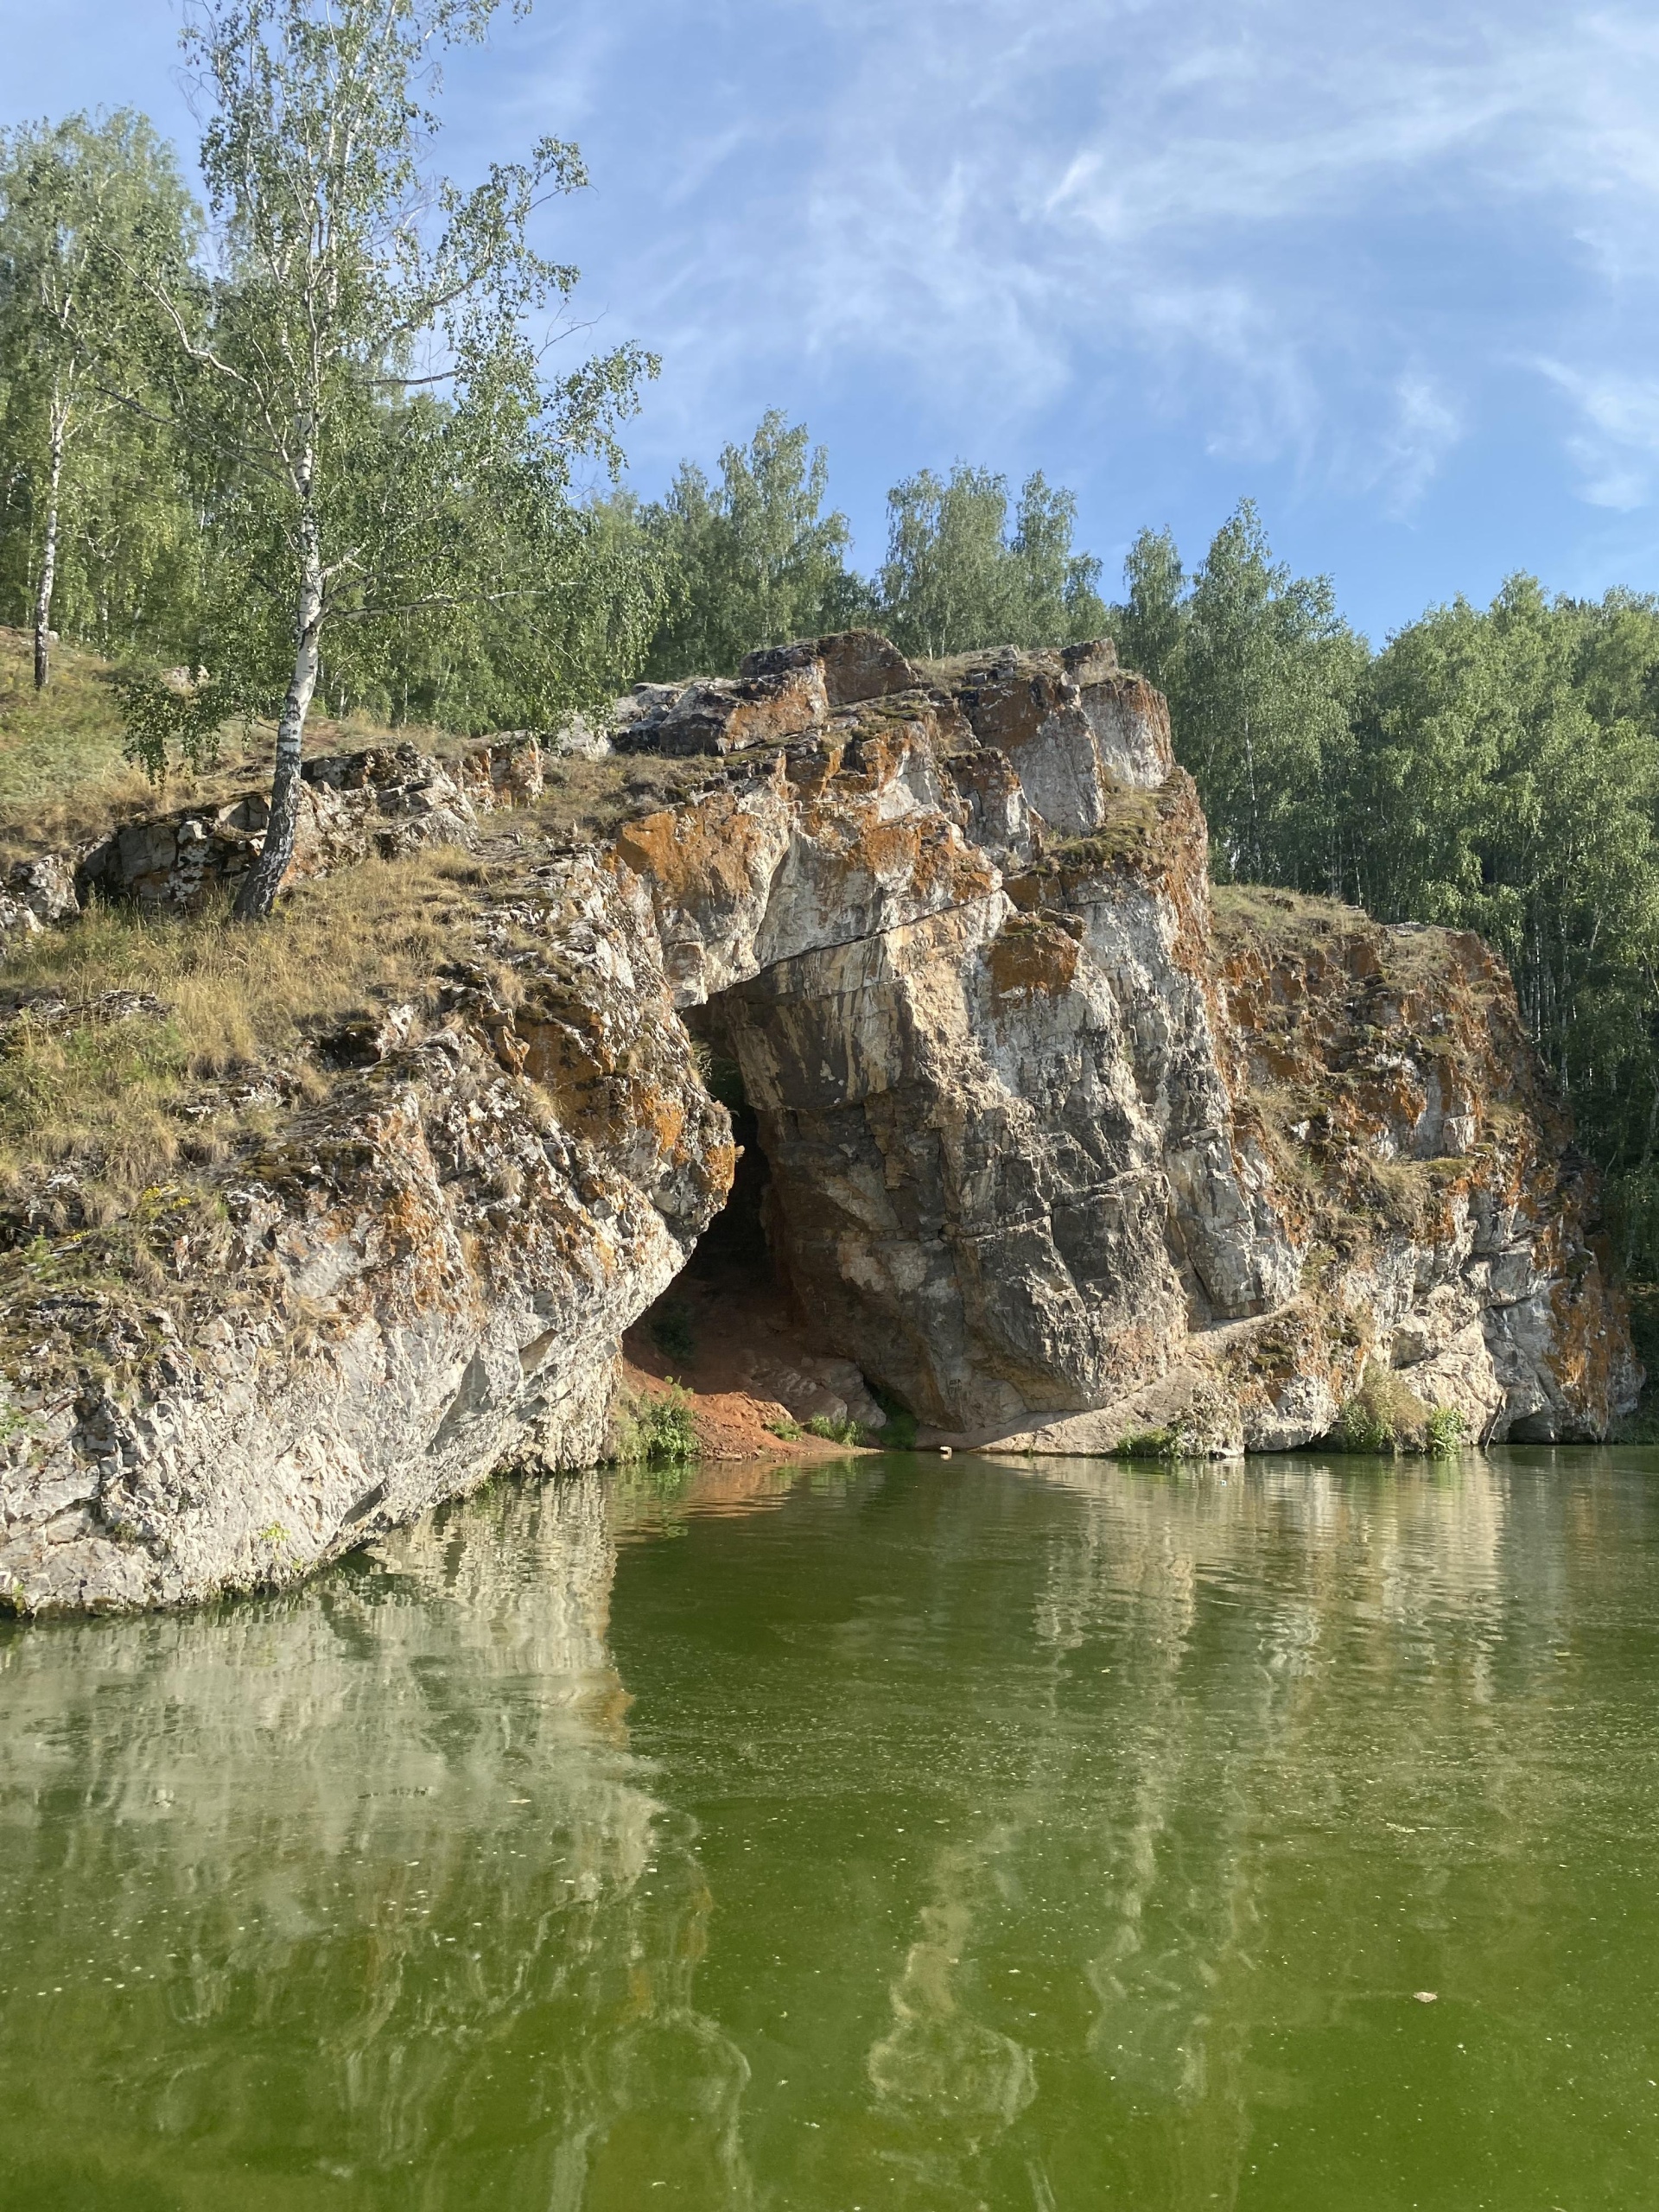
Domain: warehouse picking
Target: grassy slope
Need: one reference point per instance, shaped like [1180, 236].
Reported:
[127, 1046]
[63, 780]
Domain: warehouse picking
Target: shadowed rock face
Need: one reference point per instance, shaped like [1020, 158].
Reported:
[1054, 1156]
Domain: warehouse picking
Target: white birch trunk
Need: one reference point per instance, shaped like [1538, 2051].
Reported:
[264, 879]
[48, 576]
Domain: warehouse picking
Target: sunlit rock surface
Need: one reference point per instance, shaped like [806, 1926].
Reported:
[1060, 1147]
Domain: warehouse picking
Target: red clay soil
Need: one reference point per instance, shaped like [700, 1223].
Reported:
[726, 1317]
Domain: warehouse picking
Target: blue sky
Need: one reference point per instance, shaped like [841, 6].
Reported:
[1390, 267]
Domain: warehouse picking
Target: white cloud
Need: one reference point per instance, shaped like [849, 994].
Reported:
[1311, 233]
[1617, 446]
[1327, 241]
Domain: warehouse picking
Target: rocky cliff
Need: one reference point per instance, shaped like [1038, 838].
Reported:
[1061, 1146]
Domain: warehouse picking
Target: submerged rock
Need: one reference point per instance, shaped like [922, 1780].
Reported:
[1061, 1146]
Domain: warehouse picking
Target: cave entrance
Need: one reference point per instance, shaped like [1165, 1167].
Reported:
[702, 1325]
[730, 1326]
[735, 1244]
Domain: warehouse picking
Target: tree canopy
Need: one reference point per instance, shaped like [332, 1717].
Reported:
[95, 528]
[752, 561]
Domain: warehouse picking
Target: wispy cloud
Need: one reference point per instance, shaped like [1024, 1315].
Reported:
[1340, 250]
[1260, 221]
[1616, 445]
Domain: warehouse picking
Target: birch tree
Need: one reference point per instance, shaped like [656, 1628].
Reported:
[379, 443]
[754, 560]
[955, 577]
[84, 205]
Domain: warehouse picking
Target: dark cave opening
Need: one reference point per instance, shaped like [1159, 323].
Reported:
[735, 1243]
[732, 1271]
[730, 1327]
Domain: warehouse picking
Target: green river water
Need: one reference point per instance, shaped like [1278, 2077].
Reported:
[892, 1833]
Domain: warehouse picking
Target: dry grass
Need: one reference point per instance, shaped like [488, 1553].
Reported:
[1292, 917]
[118, 1023]
[135, 1052]
[64, 781]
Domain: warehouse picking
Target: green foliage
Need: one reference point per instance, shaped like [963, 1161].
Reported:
[1494, 769]
[955, 577]
[1365, 1425]
[1149, 625]
[1151, 1443]
[833, 1431]
[167, 720]
[753, 560]
[1262, 675]
[1505, 777]
[656, 1431]
[378, 459]
[785, 1427]
[1386, 1415]
[96, 534]
[1444, 1433]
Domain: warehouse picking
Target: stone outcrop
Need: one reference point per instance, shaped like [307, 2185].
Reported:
[36, 892]
[384, 802]
[1053, 1155]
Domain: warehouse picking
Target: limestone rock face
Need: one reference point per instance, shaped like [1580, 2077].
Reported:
[420, 1281]
[1060, 1146]
[36, 891]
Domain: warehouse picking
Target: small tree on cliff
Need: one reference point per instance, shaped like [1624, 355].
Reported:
[378, 447]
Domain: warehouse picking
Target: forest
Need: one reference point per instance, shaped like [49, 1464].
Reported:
[1493, 768]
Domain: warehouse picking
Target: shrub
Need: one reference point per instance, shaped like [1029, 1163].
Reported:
[1386, 1415]
[1150, 1443]
[785, 1426]
[1445, 1429]
[835, 1431]
[657, 1432]
[1362, 1426]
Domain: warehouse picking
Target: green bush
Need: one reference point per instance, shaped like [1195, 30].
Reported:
[1386, 1415]
[1445, 1431]
[1363, 1425]
[1150, 1443]
[657, 1432]
[835, 1431]
[786, 1427]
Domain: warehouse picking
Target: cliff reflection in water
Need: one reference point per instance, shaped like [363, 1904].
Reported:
[362, 1885]
[886, 1833]
[1292, 1743]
